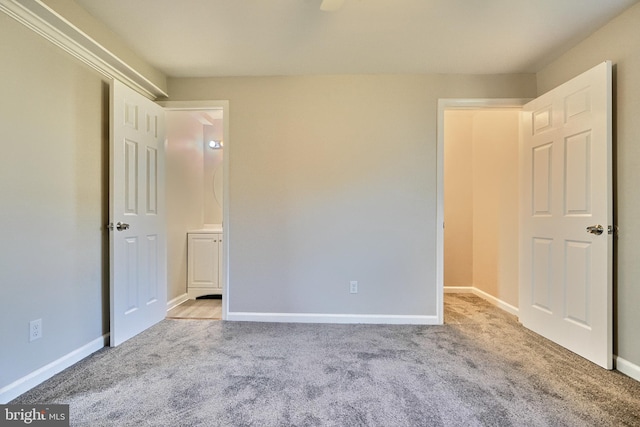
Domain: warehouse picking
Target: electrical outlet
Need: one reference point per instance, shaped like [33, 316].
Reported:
[35, 329]
[353, 286]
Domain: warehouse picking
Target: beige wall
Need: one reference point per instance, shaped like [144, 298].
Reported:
[618, 41]
[332, 179]
[458, 198]
[54, 183]
[495, 204]
[212, 174]
[481, 201]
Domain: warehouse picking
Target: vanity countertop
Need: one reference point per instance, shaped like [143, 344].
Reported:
[208, 229]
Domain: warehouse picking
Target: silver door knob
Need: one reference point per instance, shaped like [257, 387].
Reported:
[595, 229]
[121, 226]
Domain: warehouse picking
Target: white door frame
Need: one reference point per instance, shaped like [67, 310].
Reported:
[215, 105]
[459, 104]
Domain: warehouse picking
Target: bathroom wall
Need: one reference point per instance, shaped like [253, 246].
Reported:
[184, 189]
[212, 174]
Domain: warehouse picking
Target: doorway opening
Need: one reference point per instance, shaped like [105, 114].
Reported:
[197, 163]
[478, 200]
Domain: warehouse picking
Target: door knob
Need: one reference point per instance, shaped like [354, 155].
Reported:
[121, 226]
[595, 229]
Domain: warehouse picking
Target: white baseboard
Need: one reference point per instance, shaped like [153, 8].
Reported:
[26, 383]
[367, 318]
[332, 318]
[629, 369]
[497, 302]
[458, 289]
[176, 301]
[482, 294]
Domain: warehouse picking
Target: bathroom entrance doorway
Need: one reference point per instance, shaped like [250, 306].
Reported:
[197, 155]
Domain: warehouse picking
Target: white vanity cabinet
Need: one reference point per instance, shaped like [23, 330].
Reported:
[204, 253]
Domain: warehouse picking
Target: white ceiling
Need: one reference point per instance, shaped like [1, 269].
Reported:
[198, 38]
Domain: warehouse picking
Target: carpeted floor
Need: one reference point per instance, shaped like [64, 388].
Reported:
[480, 369]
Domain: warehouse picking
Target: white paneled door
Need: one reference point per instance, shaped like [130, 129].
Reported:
[566, 211]
[138, 290]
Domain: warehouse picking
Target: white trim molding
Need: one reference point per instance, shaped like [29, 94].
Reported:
[26, 383]
[177, 301]
[629, 369]
[496, 301]
[458, 289]
[52, 26]
[382, 319]
[482, 294]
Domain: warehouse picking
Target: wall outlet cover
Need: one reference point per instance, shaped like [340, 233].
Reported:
[35, 330]
[353, 286]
